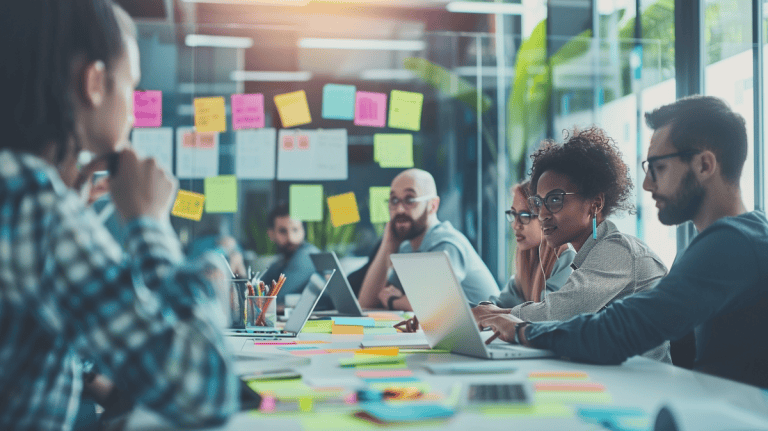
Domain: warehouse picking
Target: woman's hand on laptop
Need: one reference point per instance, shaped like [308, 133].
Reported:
[487, 310]
[503, 324]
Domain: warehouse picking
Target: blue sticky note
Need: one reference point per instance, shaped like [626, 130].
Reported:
[405, 412]
[292, 348]
[339, 102]
[366, 322]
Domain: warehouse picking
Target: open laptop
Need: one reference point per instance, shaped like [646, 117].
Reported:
[309, 297]
[443, 310]
[342, 296]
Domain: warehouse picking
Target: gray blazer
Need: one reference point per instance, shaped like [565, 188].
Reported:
[606, 269]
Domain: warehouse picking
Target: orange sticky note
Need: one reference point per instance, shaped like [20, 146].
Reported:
[343, 209]
[210, 115]
[341, 350]
[579, 375]
[569, 386]
[188, 205]
[383, 351]
[293, 108]
[347, 330]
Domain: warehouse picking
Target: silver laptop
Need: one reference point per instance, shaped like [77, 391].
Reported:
[443, 310]
[342, 296]
[309, 297]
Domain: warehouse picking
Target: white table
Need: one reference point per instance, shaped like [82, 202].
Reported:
[639, 383]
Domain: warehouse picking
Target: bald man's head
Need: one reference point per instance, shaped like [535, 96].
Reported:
[420, 181]
[413, 203]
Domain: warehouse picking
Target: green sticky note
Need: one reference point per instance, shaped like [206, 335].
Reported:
[575, 397]
[306, 202]
[284, 389]
[331, 421]
[370, 359]
[405, 110]
[221, 194]
[535, 410]
[393, 150]
[318, 327]
[393, 365]
[378, 198]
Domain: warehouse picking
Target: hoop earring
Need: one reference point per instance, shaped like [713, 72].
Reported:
[594, 226]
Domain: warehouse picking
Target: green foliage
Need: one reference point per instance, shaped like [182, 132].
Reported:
[262, 245]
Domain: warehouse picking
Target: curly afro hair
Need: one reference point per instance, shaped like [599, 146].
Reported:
[592, 161]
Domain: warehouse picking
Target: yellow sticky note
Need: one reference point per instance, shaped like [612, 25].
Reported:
[405, 110]
[221, 194]
[346, 330]
[188, 205]
[393, 150]
[293, 108]
[210, 115]
[378, 204]
[305, 203]
[384, 351]
[343, 209]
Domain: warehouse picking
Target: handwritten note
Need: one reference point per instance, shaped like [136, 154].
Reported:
[305, 202]
[188, 205]
[293, 108]
[339, 102]
[148, 108]
[378, 205]
[210, 115]
[221, 194]
[197, 154]
[370, 109]
[393, 150]
[312, 155]
[247, 111]
[405, 110]
[344, 211]
[255, 154]
[156, 143]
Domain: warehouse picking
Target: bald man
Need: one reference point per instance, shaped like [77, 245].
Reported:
[413, 227]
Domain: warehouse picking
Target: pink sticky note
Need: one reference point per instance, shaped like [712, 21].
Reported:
[370, 109]
[148, 108]
[247, 111]
[308, 352]
[381, 374]
[273, 343]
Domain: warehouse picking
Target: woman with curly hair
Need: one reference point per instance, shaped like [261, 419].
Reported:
[577, 185]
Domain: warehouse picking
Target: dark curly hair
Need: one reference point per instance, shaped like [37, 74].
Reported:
[592, 161]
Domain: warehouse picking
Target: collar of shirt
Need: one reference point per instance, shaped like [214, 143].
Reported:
[605, 229]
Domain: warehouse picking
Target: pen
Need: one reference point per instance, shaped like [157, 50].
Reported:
[493, 337]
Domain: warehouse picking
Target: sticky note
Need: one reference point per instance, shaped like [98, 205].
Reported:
[294, 347]
[293, 108]
[210, 115]
[305, 203]
[318, 326]
[339, 102]
[385, 315]
[247, 111]
[370, 109]
[358, 360]
[309, 352]
[388, 412]
[578, 375]
[393, 150]
[346, 330]
[386, 351]
[221, 194]
[396, 380]
[379, 366]
[379, 331]
[356, 321]
[375, 374]
[273, 343]
[343, 209]
[188, 205]
[378, 204]
[569, 386]
[535, 410]
[405, 110]
[554, 397]
[148, 108]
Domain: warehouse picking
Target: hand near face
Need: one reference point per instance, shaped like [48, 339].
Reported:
[388, 292]
[142, 188]
[389, 239]
[504, 324]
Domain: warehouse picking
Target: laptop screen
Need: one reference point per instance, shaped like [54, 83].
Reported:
[309, 297]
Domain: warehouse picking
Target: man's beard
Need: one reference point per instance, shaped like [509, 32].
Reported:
[418, 226]
[685, 204]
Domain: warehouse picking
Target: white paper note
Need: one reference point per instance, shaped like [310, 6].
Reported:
[194, 160]
[157, 143]
[312, 154]
[255, 154]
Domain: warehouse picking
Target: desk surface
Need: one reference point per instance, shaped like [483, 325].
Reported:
[638, 383]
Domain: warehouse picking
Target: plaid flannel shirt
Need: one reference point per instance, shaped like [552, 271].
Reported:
[67, 290]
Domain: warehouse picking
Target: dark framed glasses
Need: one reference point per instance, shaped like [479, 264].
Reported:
[553, 201]
[648, 164]
[523, 217]
[408, 202]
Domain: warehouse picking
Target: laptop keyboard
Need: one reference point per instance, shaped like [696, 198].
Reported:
[496, 393]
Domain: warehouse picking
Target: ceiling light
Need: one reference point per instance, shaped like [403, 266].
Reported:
[485, 7]
[195, 40]
[252, 75]
[387, 75]
[364, 44]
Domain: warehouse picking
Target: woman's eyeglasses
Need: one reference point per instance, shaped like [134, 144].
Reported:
[523, 217]
[553, 201]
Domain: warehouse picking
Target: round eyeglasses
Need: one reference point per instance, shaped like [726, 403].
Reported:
[553, 201]
[523, 217]
[408, 202]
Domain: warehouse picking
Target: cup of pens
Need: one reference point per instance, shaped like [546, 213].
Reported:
[260, 311]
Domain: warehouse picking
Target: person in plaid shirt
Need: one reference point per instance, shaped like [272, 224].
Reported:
[147, 319]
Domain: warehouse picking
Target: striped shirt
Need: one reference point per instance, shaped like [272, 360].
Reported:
[67, 291]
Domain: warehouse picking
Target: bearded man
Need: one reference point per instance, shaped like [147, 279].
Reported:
[414, 227]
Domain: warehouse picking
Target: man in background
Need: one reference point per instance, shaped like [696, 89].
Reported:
[414, 227]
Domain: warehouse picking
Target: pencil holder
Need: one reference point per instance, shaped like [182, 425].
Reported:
[260, 311]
